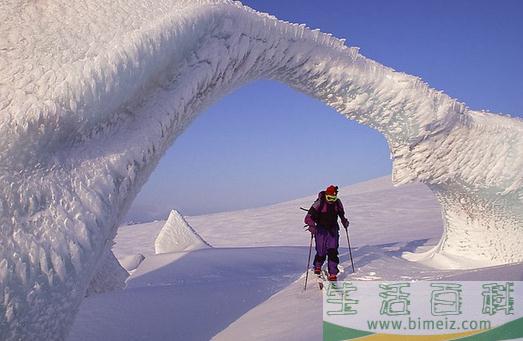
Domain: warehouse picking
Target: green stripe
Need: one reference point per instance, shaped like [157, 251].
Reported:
[333, 332]
[510, 330]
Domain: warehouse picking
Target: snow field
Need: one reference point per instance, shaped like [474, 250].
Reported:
[251, 282]
[90, 103]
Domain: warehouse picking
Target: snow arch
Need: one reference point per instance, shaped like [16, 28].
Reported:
[93, 93]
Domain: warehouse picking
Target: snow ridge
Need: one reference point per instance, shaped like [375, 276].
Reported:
[90, 103]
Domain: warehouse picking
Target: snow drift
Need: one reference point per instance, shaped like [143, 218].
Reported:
[177, 235]
[131, 262]
[93, 93]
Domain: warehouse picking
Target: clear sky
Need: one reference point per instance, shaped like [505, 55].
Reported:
[267, 143]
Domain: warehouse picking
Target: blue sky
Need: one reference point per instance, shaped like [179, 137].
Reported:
[267, 143]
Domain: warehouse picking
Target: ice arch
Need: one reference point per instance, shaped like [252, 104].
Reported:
[92, 93]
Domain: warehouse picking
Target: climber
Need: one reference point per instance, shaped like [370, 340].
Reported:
[322, 219]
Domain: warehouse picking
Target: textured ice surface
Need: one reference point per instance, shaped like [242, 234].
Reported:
[176, 235]
[109, 276]
[92, 94]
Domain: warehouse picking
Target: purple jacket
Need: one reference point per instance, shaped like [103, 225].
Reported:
[325, 214]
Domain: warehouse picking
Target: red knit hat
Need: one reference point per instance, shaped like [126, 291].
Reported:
[331, 190]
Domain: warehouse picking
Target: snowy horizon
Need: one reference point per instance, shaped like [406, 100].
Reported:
[146, 214]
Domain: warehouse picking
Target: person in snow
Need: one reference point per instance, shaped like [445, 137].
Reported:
[322, 219]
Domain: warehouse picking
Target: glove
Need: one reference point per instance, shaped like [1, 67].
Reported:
[345, 222]
[312, 229]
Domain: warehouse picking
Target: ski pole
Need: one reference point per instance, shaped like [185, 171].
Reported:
[350, 252]
[308, 265]
[304, 209]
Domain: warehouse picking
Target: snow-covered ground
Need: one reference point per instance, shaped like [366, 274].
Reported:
[249, 284]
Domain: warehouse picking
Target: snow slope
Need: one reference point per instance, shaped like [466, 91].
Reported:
[188, 296]
[371, 205]
[251, 282]
[90, 103]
